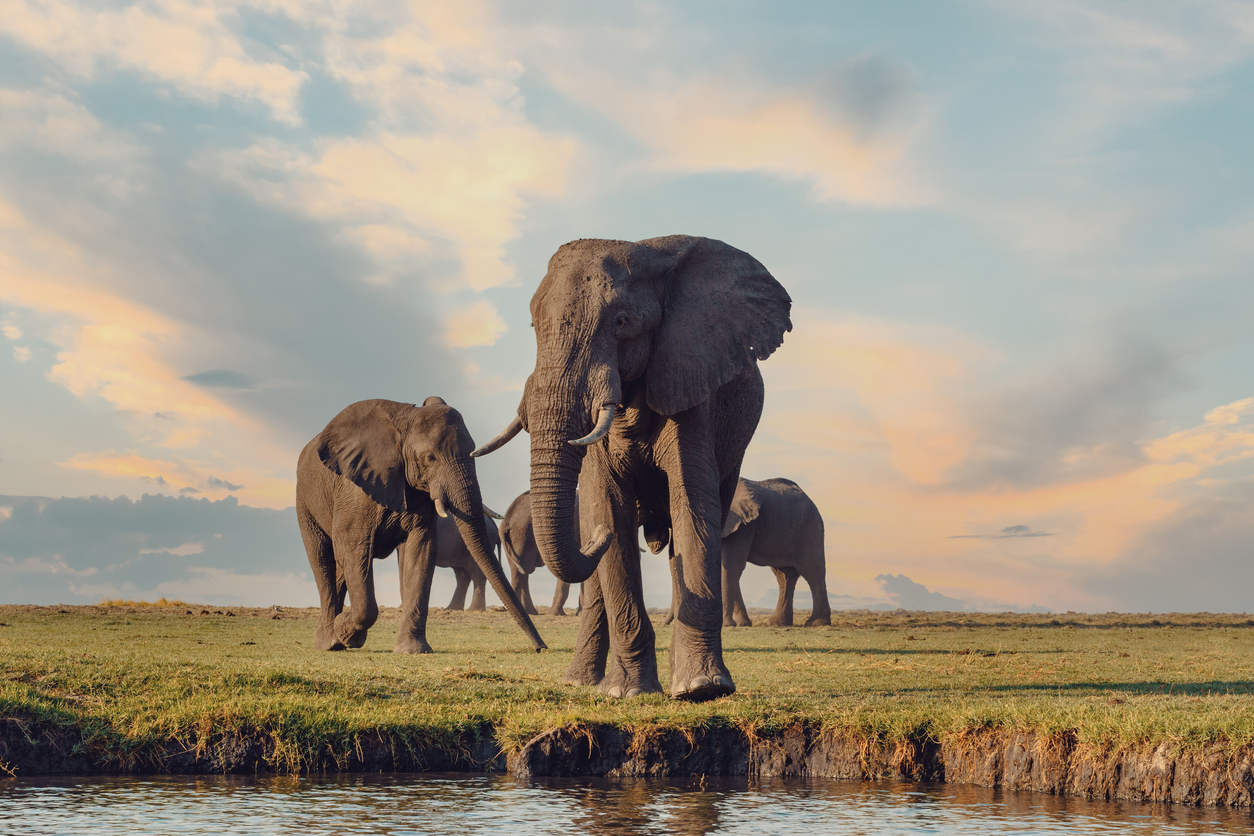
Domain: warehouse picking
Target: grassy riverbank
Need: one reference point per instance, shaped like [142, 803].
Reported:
[135, 677]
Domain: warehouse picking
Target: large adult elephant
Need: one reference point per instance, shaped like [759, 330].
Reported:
[372, 482]
[454, 554]
[518, 542]
[773, 523]
[646, 392]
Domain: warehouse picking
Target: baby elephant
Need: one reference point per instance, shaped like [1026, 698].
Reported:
[773, 523]
[373, 482]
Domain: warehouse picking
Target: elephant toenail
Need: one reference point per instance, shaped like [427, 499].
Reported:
[634, 692]
[615, 691]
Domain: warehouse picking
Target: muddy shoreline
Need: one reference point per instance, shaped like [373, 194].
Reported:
[1217, 775]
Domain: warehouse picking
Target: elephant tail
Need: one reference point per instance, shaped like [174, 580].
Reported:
[508, 549]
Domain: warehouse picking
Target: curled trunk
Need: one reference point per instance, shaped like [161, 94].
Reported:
[554, 477]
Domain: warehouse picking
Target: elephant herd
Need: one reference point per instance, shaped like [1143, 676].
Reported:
[645, 394]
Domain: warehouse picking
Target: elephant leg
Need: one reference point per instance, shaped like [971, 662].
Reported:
[735, 554]
[608, 501]
[521, 582]
[787, 578]
[326, 576]
[458, 601]
[560, 595]
[416, 562]
[821, 614]
[478, 601]
[697, 509]
[353, 552]
[592, 644]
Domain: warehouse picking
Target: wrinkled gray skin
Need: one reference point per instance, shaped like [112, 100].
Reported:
[370, 484]
[453, 554]
[518, 541]
[773, 523]
[670, 330]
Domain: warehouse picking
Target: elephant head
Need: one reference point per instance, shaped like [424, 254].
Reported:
[400, 455]
[656, 326]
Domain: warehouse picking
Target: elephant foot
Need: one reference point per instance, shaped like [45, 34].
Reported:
[697, 669]
[531, 610]
[779, 621]
[702, 688]
[557, 611]
[624, 685]
[738, 621]
[477, 608]
[343, 632]
[411, 644]
[819, 621]
[325, 638]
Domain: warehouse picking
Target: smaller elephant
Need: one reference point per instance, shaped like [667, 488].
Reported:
[454, 555]
[773, 523]
[374, 481]
[518, 541]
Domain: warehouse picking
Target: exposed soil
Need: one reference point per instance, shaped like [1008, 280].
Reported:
[1016, 760]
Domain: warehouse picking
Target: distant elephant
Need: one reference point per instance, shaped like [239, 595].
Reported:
[518, 541]
[453, 554]
[773, 523]
[646, 392]
[373, 482]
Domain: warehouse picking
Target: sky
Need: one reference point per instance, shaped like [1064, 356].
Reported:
[1018, 236]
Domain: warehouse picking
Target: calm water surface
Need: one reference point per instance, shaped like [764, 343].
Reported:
[463, 805]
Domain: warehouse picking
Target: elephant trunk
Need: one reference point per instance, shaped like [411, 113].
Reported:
[467, 512]
[555, 465]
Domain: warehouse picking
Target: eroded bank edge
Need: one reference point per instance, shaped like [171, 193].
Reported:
[1217, 774]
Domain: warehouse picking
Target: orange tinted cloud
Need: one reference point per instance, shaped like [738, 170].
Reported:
[190, 46]
[122, 352]
[871, 417]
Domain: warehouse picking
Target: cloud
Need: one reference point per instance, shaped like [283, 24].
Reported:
[1008, 531]
[222, 378]
[847, 135]
[909, 595]
[180, 475]
[49, 122]
[448, 159]
[886, 426]
[479, 324]
[197, 48]
[83, 550]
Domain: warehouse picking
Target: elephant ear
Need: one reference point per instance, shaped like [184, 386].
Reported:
[721, 313]
[363, 445]
[744, 509]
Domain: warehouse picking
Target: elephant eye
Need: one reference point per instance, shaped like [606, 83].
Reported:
[621, 321]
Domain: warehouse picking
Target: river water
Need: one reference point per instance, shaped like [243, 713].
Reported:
[506, 806]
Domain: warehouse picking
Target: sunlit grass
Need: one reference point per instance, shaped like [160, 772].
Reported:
[160, 602]
[134, 675]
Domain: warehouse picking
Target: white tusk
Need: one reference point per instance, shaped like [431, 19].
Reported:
[600, 430]
[494, 515]
[501, 440]
[440, 507]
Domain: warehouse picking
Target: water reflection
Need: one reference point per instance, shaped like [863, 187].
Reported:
[464, 805]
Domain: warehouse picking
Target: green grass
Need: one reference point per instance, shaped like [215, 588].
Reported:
[135, 676]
